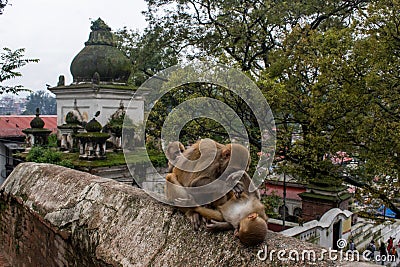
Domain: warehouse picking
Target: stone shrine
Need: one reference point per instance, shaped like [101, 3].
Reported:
[73, 125]
[92, 143]
[100, 73]
[37, 135]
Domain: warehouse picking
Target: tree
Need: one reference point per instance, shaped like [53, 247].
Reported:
[340, 86]
[10, 61]
[377, 53]
[218, 123]
[42, 100]
[149, 52]
[255, 36]
[314, 100]
[241, 32]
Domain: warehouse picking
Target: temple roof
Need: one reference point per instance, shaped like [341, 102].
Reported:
[100, 60]
[12, 125]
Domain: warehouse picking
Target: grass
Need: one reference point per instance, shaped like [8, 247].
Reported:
[116, 159]
[113, 159]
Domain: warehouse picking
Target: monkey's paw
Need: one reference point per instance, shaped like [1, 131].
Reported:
[195, 220]
[239, 186]
[238, 189]
[215, 226]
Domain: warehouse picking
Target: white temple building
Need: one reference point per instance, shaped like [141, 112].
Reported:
[100, 73]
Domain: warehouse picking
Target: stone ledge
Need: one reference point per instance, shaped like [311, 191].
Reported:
[116, 224]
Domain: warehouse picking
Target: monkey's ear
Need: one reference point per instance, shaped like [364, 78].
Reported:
[252, 216]
[226, 153]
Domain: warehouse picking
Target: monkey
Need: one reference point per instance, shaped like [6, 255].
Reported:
[240, 210]
[193, 178]
[173, 151]
[243, 212]
[236, 156]
[211, 170]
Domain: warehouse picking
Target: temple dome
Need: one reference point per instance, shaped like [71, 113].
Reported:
[93, 126]
[100, 58]
[73, 117]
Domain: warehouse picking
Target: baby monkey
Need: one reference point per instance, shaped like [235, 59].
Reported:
[243, 212]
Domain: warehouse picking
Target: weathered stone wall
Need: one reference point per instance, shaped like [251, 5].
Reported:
[54, 216]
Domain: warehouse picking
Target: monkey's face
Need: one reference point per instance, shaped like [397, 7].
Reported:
[175, 153]
[174, 150]
[246, 222]
[252, 230]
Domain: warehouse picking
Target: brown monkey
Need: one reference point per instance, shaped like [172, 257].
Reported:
[235, 155]
[192, 174]
[244, 213]
[173, 151]
[214, 167]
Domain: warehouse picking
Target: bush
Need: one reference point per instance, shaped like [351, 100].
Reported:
[52, 140]
[66, 163]
[48, 155]
[271, 202]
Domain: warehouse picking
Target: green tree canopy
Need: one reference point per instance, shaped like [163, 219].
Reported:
[377, 56]
[149, 52]
[242, 32]
[280, 45]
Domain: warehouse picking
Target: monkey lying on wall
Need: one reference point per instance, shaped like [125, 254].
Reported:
[243, 212]
[238, 209]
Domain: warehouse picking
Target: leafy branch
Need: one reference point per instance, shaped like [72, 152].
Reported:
[10, 62]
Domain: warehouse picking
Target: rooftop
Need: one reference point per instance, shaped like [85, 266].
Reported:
[12, 125]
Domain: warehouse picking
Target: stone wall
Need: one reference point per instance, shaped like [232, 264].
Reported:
[54, 216]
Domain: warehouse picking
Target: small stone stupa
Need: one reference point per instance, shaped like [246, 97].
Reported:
[115, 124]
[74, 123]
[37, 135]
[92, 144]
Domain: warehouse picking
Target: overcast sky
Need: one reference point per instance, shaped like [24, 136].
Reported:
[54, 31]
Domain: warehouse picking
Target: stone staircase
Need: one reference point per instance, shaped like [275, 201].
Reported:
[364, 231]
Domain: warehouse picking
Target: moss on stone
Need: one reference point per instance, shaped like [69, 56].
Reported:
[37, 122]
[36, 130]
[93, 126]
[102, 85]
[108, 61]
